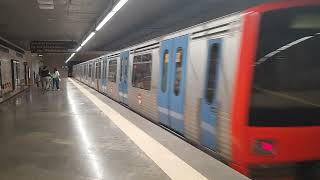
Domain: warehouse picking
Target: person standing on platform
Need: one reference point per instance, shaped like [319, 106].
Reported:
[46, 78]
[56, 79]
[42, 78]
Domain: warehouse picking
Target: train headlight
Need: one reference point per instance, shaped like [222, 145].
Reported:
[264, 147]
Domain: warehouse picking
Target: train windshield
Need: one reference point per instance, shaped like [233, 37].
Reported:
[286, 82]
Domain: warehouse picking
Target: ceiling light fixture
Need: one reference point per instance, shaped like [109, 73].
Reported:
[82, 44]
[115, 9]
[120, 4]
[70, 57]
[79, 48]
[88, 38]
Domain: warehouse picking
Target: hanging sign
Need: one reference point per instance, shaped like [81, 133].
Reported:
[52, 46]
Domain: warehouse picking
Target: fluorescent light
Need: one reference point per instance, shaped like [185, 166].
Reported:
[105, 20]
[40, 55]
[70, 57]
[79, 48]
[115, 9]
[88, 38]
[120, 4]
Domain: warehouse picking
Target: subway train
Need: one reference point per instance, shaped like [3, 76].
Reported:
[14, 70]
[245, 87]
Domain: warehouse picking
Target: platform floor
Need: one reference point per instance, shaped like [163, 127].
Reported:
[79, 134]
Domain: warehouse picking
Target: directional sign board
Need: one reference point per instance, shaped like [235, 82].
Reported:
[52, 46]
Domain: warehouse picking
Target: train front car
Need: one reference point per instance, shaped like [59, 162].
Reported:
[276, 110]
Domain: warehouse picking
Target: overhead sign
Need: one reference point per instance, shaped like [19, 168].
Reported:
[52, 46]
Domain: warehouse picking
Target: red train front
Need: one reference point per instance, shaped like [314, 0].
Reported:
[276, 107]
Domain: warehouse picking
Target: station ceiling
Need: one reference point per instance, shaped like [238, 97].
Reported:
[22, 21]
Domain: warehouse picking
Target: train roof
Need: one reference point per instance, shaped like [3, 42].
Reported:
[193, 30]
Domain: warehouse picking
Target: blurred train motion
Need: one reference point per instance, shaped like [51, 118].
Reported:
[245, 86]
[14, 70]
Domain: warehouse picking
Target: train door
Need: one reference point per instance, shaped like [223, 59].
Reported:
[88, 66]
[209, 103]
[87, 72]
[104, 75]
[98, 74]
[123, 84]
[26, 73]
[91, 74]
[172, 82]
[93, 80]
[15, 74]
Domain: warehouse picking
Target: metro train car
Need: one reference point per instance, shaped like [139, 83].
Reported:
[14, 70]
[244, 86]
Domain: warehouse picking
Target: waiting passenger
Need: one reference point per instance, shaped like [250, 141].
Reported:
[55, 79]
[45, 78]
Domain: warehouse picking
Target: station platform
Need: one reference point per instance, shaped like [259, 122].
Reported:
[79, 134]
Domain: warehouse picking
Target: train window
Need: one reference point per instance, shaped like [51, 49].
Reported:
[141, 73]
[112, 73]
[211, 76]
[88, 74]
[85, 70]
[126, 70]
[165, 66]
[286, 83]
[178, 71]
[90, 71]
[123, 69]
[104, 70]
[98, 70]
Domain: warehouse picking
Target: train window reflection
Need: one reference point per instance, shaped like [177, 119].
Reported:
[104, 70]
[90, 70]
[178, 71]
[212, 68]
[121, 69]
[112, 73]
[165, 65]
[141, 73]
[286, 85]
[86, 70]
[98, 70]
[83, 70]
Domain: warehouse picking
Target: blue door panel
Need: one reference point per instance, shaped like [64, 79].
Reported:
[208, 110]
[177, 101]
[123, 84]
[163, 98]
[171, 105]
